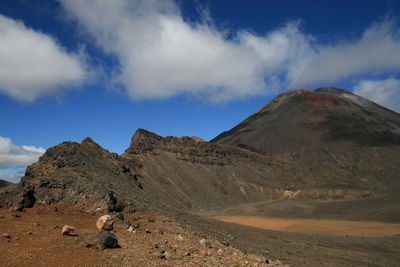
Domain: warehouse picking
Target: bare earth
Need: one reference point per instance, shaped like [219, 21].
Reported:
[314, 226]
[33, 238]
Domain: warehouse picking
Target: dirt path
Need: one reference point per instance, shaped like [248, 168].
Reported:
[313, 226]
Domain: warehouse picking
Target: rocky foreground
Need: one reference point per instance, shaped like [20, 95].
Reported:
[35, 238]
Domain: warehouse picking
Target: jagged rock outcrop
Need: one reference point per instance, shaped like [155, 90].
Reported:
[82, 174]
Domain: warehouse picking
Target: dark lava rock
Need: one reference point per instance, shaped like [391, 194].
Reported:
[113, 204]
[7, 236]
[102, 240]
[106, 239]
[27, 199]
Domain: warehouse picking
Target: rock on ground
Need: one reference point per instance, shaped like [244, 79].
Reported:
[205, 243]
[68, 230]
[103, 240]
[105, 223]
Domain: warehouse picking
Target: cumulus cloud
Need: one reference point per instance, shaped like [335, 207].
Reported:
[33, 64]
[17, 156]
[162, 55]
[377, 51]
[384, 92]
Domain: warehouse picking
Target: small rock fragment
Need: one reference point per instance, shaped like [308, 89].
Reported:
[167, 255]
[7, 236]
[105, 223]
[160, 253]
[151, 220]
[179, 237]
[68, 230]
[205, 243]
[148, 231]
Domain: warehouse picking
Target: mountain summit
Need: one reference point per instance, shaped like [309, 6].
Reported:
[326, 114]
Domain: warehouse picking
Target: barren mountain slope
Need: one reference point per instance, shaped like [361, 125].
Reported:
[336, 140]
[198, 174]
[4, 183]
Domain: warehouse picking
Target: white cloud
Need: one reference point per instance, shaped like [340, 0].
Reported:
[32, 64]
[162, 55]
[377, 51]
[20, 156]
[384, 92]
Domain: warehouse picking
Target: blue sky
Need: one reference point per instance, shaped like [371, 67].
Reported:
[76, 68]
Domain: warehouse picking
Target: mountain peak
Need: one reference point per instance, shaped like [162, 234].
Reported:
[324, 115]
[332, 90]
[88, 140]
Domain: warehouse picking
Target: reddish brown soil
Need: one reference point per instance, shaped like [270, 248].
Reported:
[313, 226]
[320, 100]
[36, 240]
